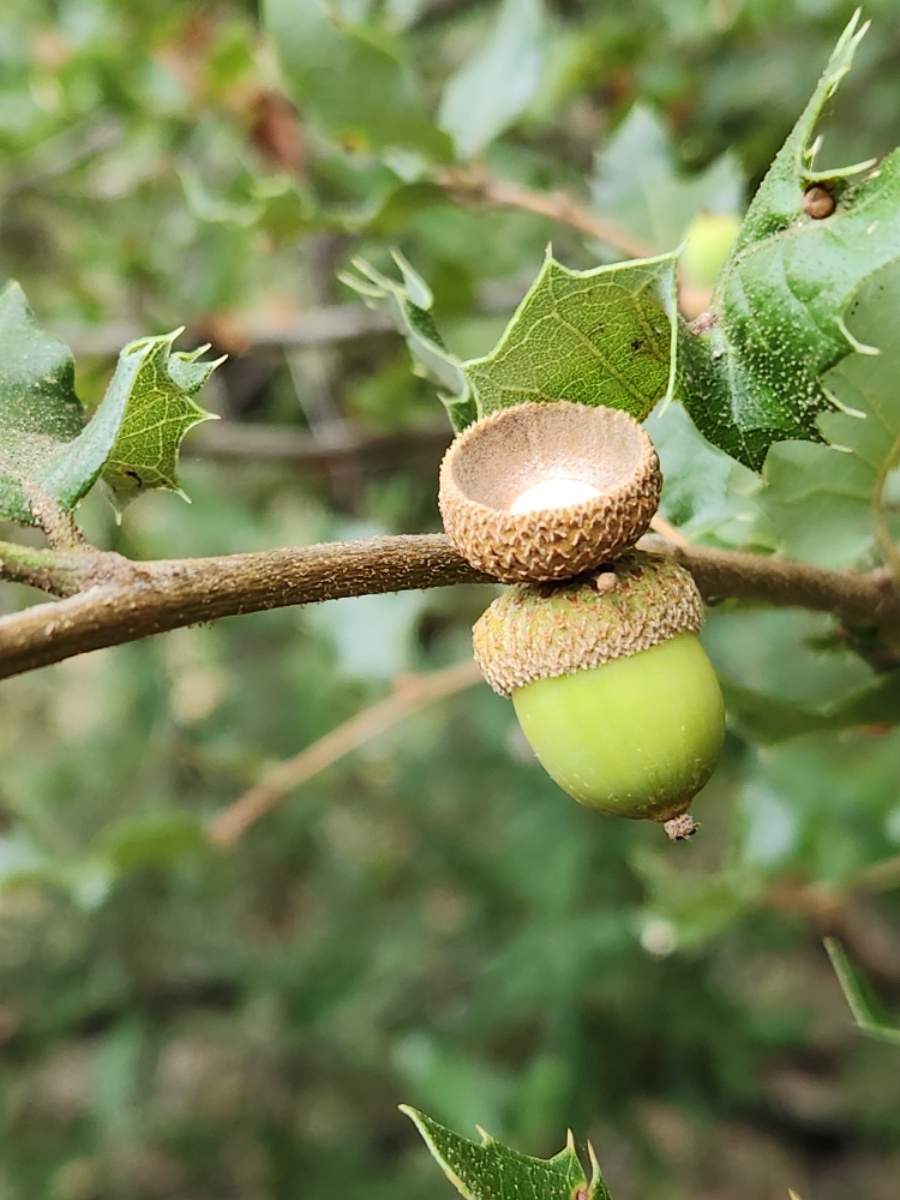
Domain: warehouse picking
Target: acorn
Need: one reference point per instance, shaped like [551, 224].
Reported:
[611, 686]
[544, 491]
[708, 240]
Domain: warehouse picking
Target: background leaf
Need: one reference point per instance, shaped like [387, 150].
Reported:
[637, 185]
[865, 1011]
[351, 77]
[490, 91]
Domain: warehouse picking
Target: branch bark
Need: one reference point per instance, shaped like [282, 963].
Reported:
[474, 186]
[121, 601]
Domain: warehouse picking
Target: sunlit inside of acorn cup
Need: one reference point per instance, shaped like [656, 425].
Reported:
[548, 456]
[553, 492]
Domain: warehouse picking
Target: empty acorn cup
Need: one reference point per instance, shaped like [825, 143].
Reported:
[545, 491]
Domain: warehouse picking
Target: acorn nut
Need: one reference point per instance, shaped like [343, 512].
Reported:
[545, 491]
[611, 686]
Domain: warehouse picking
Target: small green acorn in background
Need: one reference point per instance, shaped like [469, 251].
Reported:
[708, 240]
[597, 644]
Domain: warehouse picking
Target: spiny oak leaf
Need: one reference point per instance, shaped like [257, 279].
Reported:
[750, 370]
[49, 454]
[491, 1171]
[598, 337]
[153, 386]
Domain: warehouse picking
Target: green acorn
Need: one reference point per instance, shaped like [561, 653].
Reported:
[708, 239]
[611, 686]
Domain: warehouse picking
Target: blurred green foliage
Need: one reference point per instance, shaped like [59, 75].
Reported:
[429, 920]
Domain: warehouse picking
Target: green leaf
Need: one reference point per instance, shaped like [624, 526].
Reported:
[823, 502]
[865, 1012]
[596, 337]
[602, 336]
[599, 337]
[486, 95]
[151, 389]
[753, 376]
[48, 454]
[351, 78]
[155, 838]
[766, 719]
[706, 494]
[636, 184]
[409, 305]
[40, 414]
[490, 1171]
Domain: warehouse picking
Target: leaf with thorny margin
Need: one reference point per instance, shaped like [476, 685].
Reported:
[751, 370]
[869, 1020]
[408, 303]
[598, 337]
[48, 455]
[153, 388]
[490, 1171]
[826, 503]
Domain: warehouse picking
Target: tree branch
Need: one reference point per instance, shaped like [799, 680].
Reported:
[475, 186]
[121, 601]
[411, 694]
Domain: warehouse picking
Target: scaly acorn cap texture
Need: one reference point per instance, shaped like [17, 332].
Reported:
[546, 491]
[538, 632]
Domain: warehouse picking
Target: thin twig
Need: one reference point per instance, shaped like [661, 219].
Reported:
[667, 530]
[474, 185]
[412, 694]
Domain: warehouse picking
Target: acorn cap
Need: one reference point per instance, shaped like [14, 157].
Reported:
[546, 491]
[540, 632]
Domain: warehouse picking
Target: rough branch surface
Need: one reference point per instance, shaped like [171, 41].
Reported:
[109, 600]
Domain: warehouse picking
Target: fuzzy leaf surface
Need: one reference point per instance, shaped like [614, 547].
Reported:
[490, 1171]
[755, 377]
[830, 503]
[48, 455]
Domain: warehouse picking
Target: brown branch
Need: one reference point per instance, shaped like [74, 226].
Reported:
[122, 601]
[474, 186]
[412, 694]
